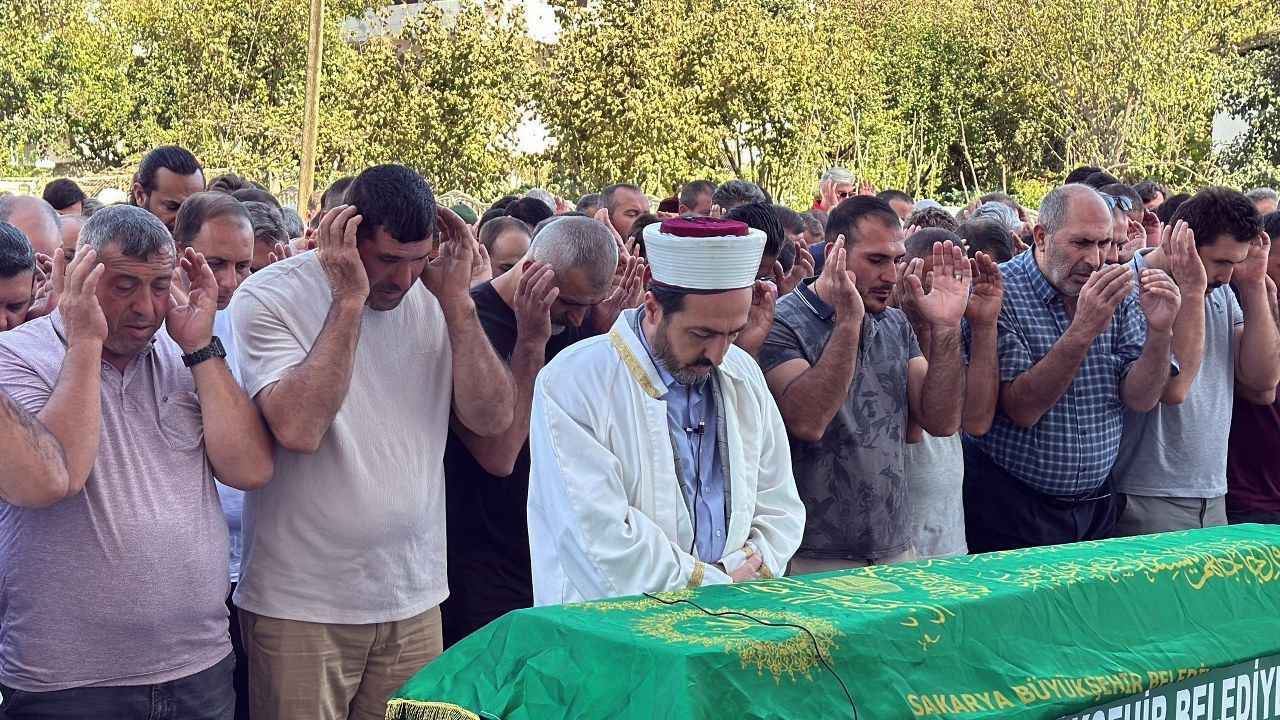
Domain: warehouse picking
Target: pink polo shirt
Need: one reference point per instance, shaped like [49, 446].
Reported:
[124, 583]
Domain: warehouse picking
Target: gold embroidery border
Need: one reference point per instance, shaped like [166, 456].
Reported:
[699, 573]
[400, 709]
[633, 364]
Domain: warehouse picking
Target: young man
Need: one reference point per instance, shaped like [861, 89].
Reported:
[1172, 463]
[166, 177]
[358, 355]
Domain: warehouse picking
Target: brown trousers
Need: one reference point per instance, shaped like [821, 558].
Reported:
[319, 671]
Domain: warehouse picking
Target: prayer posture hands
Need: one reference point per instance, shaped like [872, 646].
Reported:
[827, 194]
[628, 291]
[1100, 297]
[1160, 300]
[1184, 262]
[338, 255]
[535, 295]
[1253, 271]
[82, 316]
[801, 270]
[840, 284]
[759, 319]
[988, 292]
[51, 282]
[448, 277]
[945, 303]
[282, 251]
[1153, 228]
[190, 324]
[481, 269]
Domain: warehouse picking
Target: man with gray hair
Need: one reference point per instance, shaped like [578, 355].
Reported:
[1265, 199]
[36, 219]
[113, 601]
[530, 313]
[837, 184]
[1074, 350]
[737, 192]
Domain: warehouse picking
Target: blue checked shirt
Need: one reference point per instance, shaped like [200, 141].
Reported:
[1071, 450]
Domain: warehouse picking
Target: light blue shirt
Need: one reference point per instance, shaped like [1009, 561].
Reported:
[689, 408]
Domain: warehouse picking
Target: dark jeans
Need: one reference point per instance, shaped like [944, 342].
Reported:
[240, 680]
[1238, 517]
[207, 695]
[1003, 513]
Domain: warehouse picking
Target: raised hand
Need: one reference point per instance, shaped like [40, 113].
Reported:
[82, 316]
[827, 192]
[988, 292]
[1188, 270]
[945, 303]
[903, 299]
[759, 319]
[628, 291]
[1153, 228]
[448, 277]
[481, 268]
[866, 188]
[717, 212]
[51, 282]
[191, 324]
[336, 251]
[281, 252]
[1100, 297]
[535, 294]
[1160, 300]
[1253, 271]
[840, 285]
[801, 270]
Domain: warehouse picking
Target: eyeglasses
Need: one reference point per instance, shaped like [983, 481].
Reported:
[1118, 201]
[845, 195]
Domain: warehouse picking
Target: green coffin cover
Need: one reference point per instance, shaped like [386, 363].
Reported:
[1022, 634]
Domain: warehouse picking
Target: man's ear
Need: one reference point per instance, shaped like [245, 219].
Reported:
[1040, 234]
[139, 194]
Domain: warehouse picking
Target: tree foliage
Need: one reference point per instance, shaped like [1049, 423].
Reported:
[932, 96]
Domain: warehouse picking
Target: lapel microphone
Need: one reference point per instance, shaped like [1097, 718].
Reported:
[702, 428]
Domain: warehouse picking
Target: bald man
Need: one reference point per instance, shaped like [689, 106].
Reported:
[36, 219]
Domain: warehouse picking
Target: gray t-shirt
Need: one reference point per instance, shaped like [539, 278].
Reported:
[851, 481]
[1181, 450]
[935, 483]
[124, 583]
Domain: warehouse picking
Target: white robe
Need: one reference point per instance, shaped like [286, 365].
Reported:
[607, 517]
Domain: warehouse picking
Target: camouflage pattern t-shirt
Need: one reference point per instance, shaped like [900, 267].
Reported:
[851, 481]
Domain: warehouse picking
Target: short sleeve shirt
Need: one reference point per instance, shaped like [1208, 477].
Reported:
[1071, 450]
[851, 481]
[1181, 450]
[125, 582]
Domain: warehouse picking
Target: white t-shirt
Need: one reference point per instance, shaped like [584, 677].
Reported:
[354, 533]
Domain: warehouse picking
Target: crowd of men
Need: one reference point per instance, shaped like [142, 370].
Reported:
[259, 468]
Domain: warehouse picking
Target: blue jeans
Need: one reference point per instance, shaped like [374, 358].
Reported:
[207, 695]
[1236, 517]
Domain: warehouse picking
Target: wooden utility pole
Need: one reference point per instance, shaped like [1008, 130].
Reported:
[311, 106]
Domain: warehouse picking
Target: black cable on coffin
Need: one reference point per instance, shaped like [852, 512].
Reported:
[813, 639]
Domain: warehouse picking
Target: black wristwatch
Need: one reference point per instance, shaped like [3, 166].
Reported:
[212, 350]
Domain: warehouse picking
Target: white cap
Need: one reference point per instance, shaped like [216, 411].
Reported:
[701, 253]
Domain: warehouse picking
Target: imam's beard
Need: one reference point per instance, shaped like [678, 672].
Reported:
[684, 374]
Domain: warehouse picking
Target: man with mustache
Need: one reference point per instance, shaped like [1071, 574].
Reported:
[659, 459]
[166, 177]
[113, 601]
[1074, 349]
[848, 374]
[1172, 464]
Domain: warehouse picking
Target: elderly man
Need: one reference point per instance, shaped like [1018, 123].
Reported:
[531, 313]
[113, 602]
[1172, 464]
[37, 220]
[1074, 350]
[848, 375]
[1264, 199]
[679, 475]
[358, 354]
[836, 185]
[166, 177]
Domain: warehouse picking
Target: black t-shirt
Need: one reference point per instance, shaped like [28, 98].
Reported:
[488, 530]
